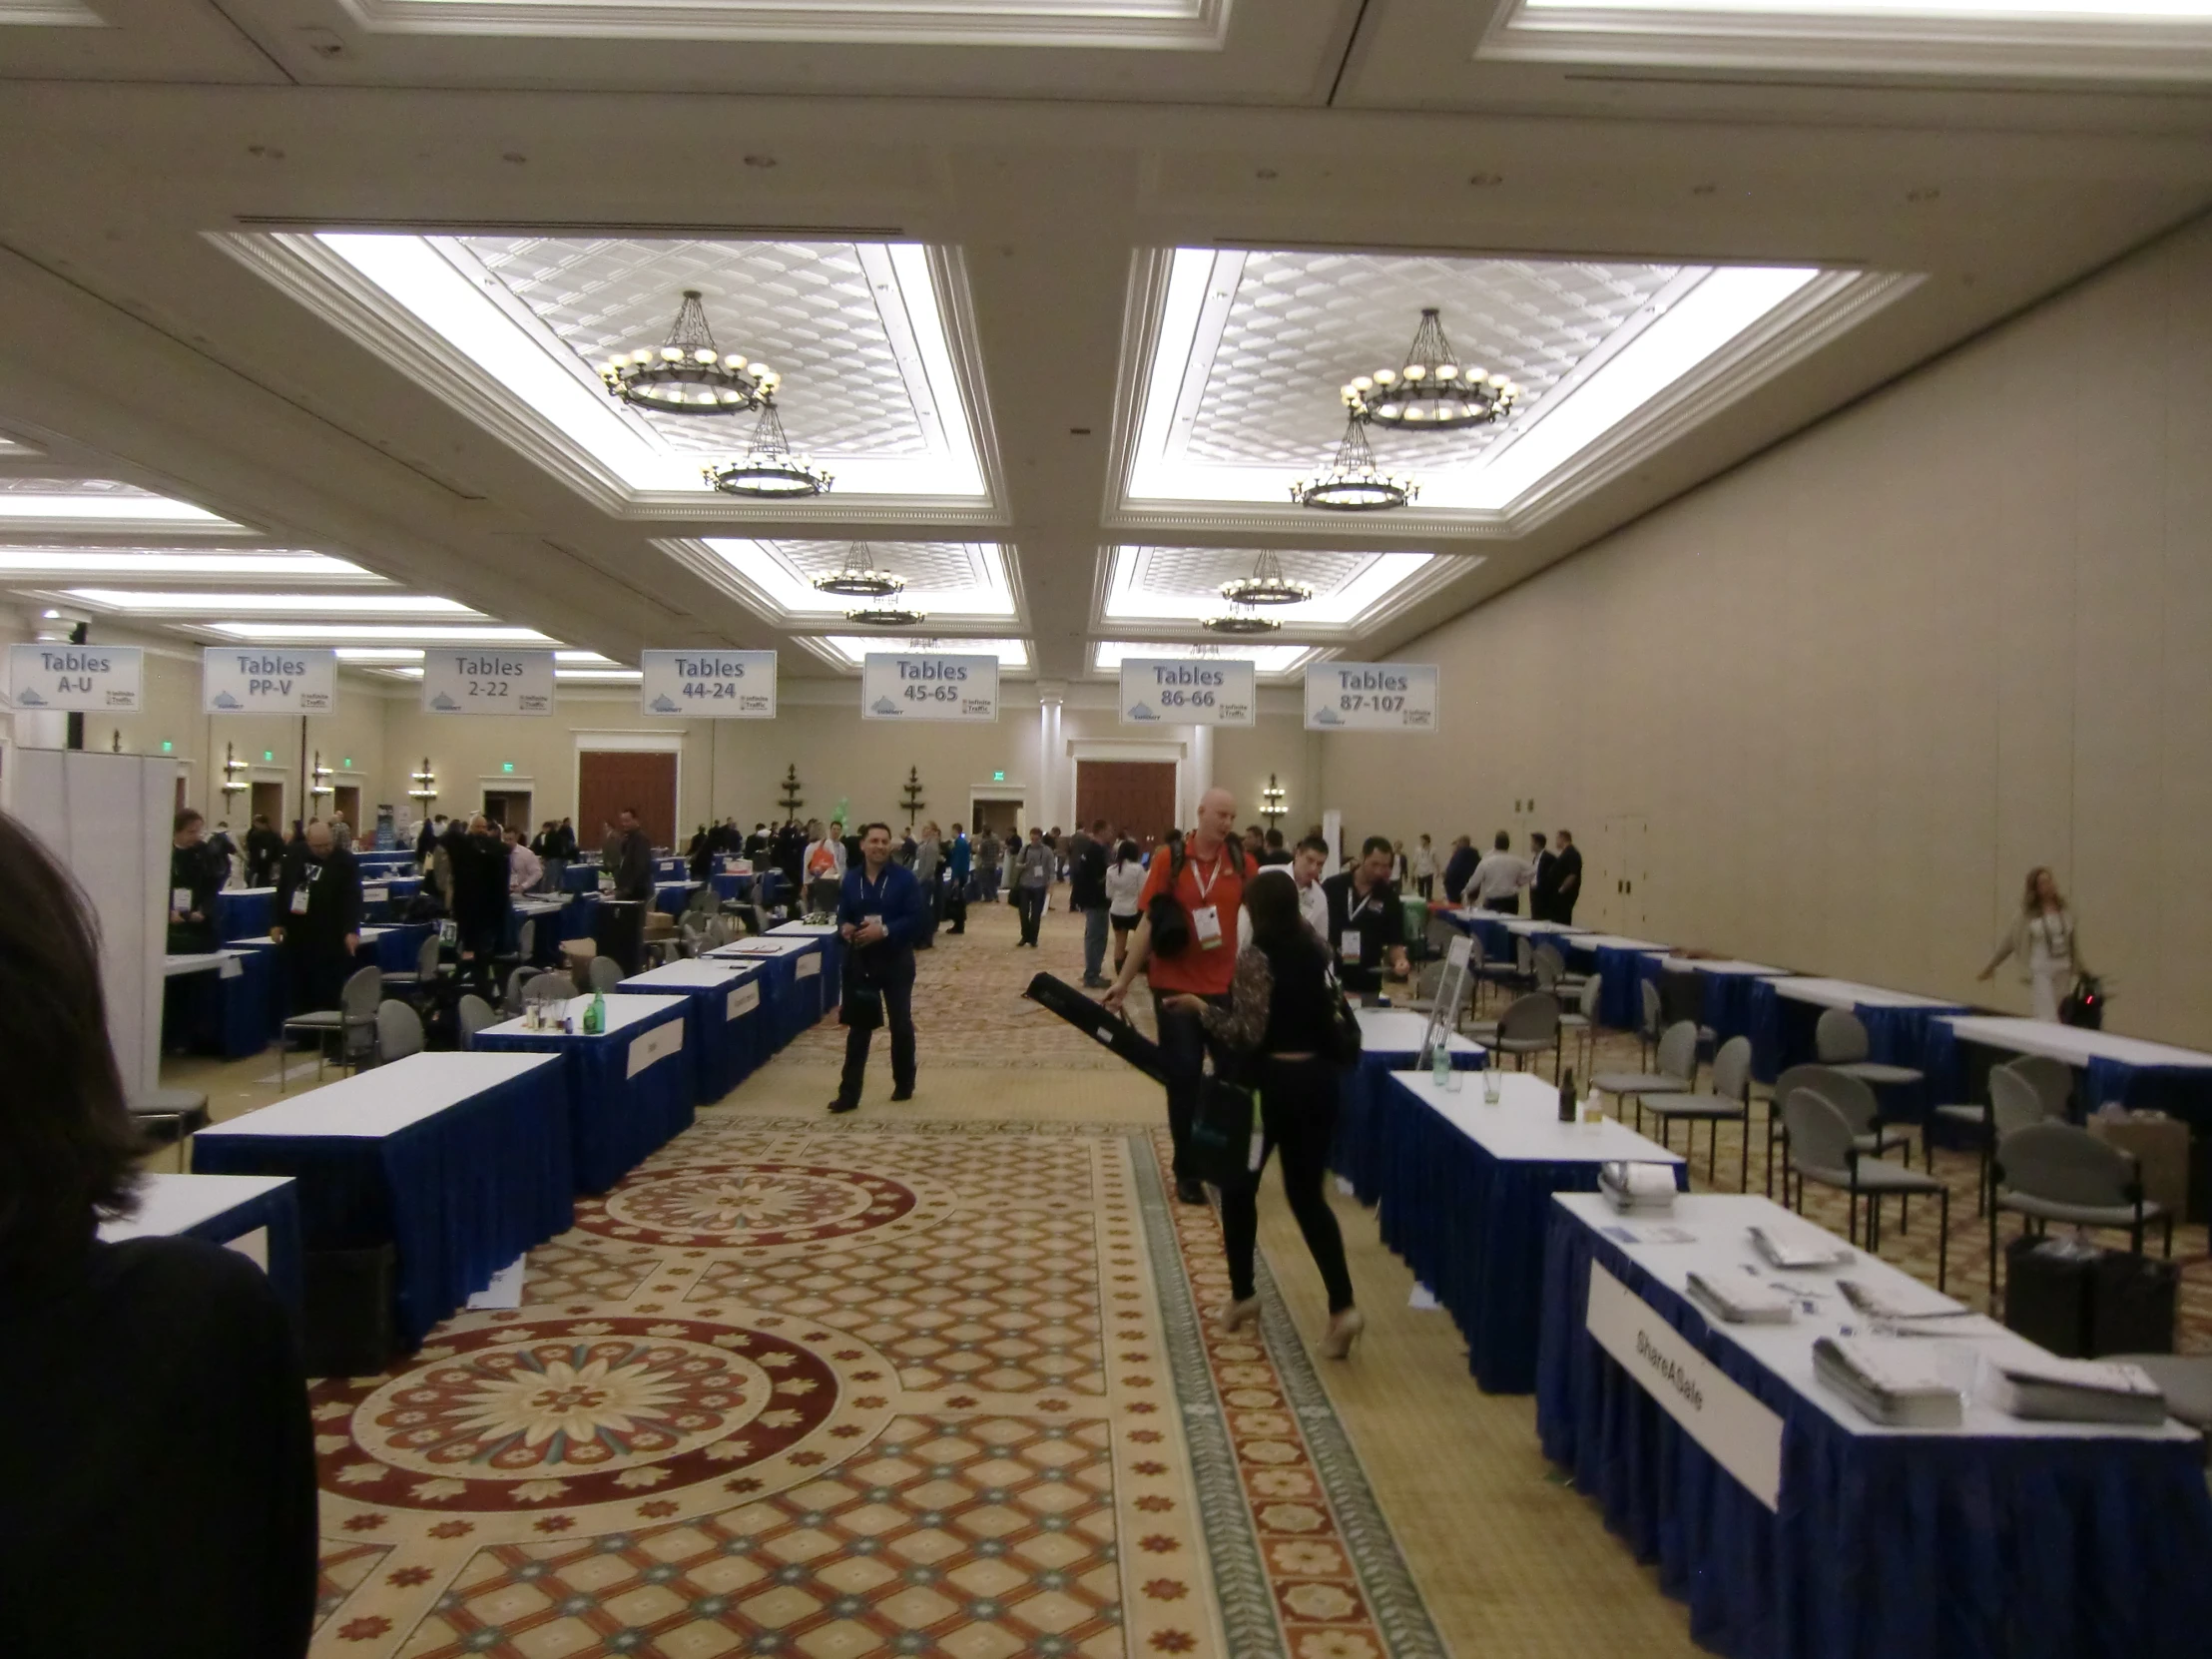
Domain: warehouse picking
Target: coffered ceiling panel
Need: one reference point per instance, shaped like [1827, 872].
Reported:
[962, 581]
[1351, 590]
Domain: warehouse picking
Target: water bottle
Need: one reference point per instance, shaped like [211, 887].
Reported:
[1441, 1063]
[1567, 1111]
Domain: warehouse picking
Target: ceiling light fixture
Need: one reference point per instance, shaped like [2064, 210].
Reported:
[769, 469]
[1431, 392]
[1242, 619]
[1266, 585]
[687, 374]
[856, 579]
[883, 615]
[1353, 483]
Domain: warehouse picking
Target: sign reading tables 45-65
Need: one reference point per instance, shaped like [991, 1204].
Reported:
[486, 680]
[709, 684]
[1188, 691]
[268, 680]
[1371, 697]
[928, 685]
[77, 679]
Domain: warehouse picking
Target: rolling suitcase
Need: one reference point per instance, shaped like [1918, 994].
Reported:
[1094, 1021]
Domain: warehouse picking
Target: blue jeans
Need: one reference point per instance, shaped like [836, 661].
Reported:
[1095, 925]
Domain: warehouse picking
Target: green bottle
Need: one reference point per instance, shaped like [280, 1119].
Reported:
[595, 1016]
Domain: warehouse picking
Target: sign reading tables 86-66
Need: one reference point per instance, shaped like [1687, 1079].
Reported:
[707, 685]
[928, 685]
[1187, 691]
[1371, 697]
[80, 679]
[486, 680]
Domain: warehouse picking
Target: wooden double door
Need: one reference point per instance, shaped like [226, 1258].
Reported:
[1136, 797]
[608, 780]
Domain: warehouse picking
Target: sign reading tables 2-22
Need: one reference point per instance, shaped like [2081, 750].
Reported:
[1188, 691]
[928, 685]
[76, 679]
[268, 680]
[707, 685]
[1371, 697]
[486, 680]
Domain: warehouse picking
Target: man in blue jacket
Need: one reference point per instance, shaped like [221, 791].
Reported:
[880, 914]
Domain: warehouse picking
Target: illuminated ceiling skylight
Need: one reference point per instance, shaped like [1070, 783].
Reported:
[846, 649]
[189, 603]
[1107, 655]
[63, 564]
[1158, 25]
[946, 579]
[93, 503]
[335, 633]
[1183, 584]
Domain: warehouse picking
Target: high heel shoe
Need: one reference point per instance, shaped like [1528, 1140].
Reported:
[1343, 1331]
[1235, 1316]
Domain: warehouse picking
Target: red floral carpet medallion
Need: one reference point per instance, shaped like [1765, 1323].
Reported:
[762, 1209]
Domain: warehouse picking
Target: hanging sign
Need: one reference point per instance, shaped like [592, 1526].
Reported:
[268, 680]
[1371, 697]
[486, 680]
[929, 686]
[707, 685]
[77, 679]
[1187, 691]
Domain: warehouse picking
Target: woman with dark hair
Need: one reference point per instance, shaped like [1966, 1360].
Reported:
[157, 1493]
[1283, 1008]
[1124, 891]
[2043, 938]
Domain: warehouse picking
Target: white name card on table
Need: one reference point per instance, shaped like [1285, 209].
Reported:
[268, 680]
[77, 679]
[808, 968]
[656, 1045]
[928, 685]
[487, 679]
[1372, 697]
[707, 685]
[743, 1000]
[1188, 691]
[1740, 1433]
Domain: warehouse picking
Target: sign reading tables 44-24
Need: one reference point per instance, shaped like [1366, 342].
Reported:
[486, 680]
[268, 680]
[1371, 697]
[1188, 691]
[928, 685]
[707, 685]
[77, 679]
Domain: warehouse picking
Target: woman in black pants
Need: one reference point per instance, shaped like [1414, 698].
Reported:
[1282, 1011]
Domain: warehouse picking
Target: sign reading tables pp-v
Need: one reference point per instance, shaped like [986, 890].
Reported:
[77, 679]
[928, 685]
[268, 680]
[486, 680]
[1188, 691]
[1371, 697]
[707, 685]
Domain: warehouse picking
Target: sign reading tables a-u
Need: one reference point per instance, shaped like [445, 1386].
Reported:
[77, 679]
[1188, 691]
[486, 680]
[268, 680]
[707, 685]
[1371, 697]
[928, 685]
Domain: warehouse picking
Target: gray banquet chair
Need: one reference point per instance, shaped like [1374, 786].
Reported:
[1529, 1025]
[398, 1030]
[475, 1013]
[1728, 1101]
[1581, 1019]
[1824, 1150]
[2050, 1172]
[1840, 1040]
[1675, 1073]
[606, 974]
[353, 1022]
[169, 1116]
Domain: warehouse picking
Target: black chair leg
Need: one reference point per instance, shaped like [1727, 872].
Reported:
[1942, 1239]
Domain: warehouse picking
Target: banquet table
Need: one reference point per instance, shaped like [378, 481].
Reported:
[1999, 1539]
[832, 973]
[630, 1087]
[256, 1214]
[545, 938]
[671, 869]
[244, 912]
[729, 1028]
[1723, 988]
[731, 883]
[218, 1002]
[792, 983]
[1619, 960]
[672, 896]
[580, 878]
[395, 946]
[1390, 1041]
[459, 1161]
[1500, 932]
[1465, 1191]
[1901, 1026]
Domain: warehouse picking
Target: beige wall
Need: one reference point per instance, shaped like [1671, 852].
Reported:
[1855, 688]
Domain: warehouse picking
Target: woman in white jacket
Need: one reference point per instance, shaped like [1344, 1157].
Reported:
[823, 865]
[2046, 941]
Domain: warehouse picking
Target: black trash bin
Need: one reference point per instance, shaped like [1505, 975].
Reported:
[619, 932]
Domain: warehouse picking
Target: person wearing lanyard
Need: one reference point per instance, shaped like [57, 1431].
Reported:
[1307, 863]
[880, 914]
[318, 917]
[1367, 918]
[1205, 876]
[195, 875]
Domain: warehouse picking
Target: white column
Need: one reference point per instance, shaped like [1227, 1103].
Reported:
[1050, 801]
[44, 729]
[1200, 769]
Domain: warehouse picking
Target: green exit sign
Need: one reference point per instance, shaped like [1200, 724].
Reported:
[349, 762]
[506, 766]
[167, 748]
[268, 753]
[998, 778]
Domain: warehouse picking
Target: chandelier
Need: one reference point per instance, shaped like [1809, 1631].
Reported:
[1241, 619]
[1266, 585]
[1431, 390]
[769, 469]
[855, 580]
[687, 375]
[1353, 483]
[882, 614]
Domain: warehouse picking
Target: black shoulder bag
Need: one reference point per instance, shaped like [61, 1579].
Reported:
[1171, 923]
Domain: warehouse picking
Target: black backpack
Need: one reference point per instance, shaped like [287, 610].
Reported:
[1171, 923]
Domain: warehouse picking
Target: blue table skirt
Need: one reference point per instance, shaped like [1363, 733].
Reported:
[1358, 1152]
[205, 1013]
[1489, 928]
[1782, 1035]
[545, 937]
[724, 1051]
[614, 1120]
[1620, 1003]
[670, 869]
[580, 878]
[244, 916]
[579, 917]
[1724, 999]
[672, 896]
[278, 1211]
[396, 949]
[460, 1194]
[729, 884]
[1885, 1548]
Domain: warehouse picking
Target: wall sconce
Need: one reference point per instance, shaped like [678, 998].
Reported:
[234, 782]
[319, 772]
[424, 784]
[1273, 801]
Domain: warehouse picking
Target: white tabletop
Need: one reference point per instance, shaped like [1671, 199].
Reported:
[697, 970]
[622, 1011]
[248, 892]
[1401, 1031]
[1526, 924]
[1711, 964]
[1525, 1126]
[1719, 1246]
[169, 1204]
[1614, 941]
[385, 1099]
[760, 947]
[811, 929]
[539, 904]
[2072, 1044]
[198, 961]
[1846, 993]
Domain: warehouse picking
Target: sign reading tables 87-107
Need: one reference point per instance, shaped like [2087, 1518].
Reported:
[1187, 691]
[1371, 697]
[707, 685]
[928, 685]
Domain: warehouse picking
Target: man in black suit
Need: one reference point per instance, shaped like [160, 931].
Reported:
[318, 917]
[1569, 865]
[480, 903]
[1543, 891]
[265, 850]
